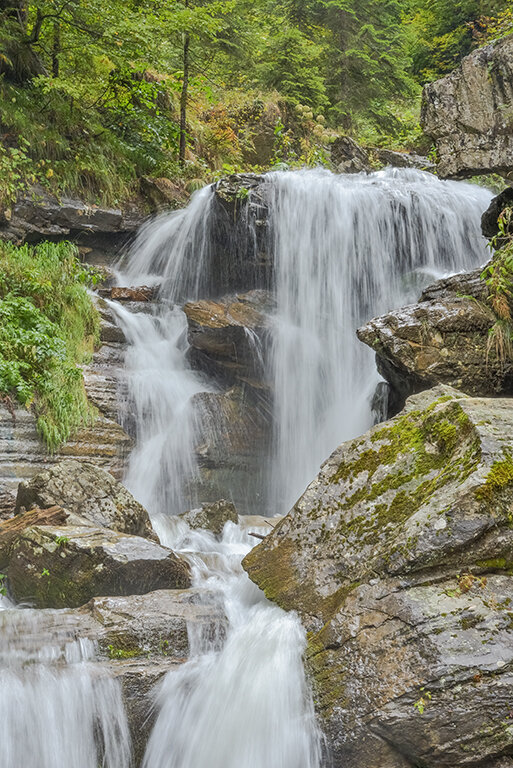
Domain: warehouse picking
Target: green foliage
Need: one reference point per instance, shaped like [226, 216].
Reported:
[498, 276]
[444, 31]
[48, 326]
[3, 588]
[90, 91]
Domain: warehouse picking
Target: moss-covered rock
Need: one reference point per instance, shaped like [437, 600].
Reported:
[399, 559]
[449, 337]
[55, 567]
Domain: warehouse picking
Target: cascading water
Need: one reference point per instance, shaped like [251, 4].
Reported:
[344, 249]
[247, 702]
[56, 709]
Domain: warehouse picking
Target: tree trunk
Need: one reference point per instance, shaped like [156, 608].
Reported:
[56, 48]
[183, 100]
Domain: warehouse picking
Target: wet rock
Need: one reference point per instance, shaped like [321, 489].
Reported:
[104, 380]
[23, 453]
[233, 435]
[212, 517]
[445, 338]
[64, 566]
[119, 293]
[490, 218]
[402, 159]
[348, 157]
[88, 491]
[238, 260]
[39, 215]
[228, 336]
[467, 113]
[398, 558]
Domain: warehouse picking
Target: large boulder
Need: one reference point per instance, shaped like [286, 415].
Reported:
[468, 113]
[398, 559]
[447, 338]
[64, 566]
[88, 491]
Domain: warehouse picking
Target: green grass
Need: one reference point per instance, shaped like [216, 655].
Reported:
[48, 327]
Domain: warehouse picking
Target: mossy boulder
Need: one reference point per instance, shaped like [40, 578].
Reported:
[212, 517]
[65, 566]
[399, 559]
[88, 491]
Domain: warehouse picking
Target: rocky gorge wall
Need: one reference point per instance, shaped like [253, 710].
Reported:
[469, 114]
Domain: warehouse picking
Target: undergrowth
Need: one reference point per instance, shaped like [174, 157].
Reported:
[498, 276]
[48, 327]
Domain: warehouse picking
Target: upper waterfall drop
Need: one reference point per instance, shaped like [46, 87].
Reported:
[347, 248]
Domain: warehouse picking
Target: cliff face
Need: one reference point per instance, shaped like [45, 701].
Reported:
[469, 113]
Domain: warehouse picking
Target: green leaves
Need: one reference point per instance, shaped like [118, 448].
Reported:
[47, 327]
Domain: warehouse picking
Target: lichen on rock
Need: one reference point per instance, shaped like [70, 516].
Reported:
[398, 559]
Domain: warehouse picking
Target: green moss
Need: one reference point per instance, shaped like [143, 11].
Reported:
[124, 653]
[498, 478]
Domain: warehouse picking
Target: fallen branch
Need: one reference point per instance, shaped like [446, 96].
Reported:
[257, 535]
[11, 528]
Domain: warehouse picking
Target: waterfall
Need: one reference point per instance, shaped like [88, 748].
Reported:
[57, 710]
[244, 702]
[346, 249]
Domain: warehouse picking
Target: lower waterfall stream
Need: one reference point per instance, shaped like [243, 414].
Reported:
[346, 248]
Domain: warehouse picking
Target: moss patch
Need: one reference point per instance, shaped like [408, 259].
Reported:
[498, 478]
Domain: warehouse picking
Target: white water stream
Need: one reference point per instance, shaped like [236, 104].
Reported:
[345, 249]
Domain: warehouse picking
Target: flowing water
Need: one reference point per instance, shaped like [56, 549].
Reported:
[56, 709]
[344, 250]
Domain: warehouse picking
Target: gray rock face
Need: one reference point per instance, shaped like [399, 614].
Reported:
[90, 492]
[23, 453]
[445, 338]
[40, 215]
[64, 566]
[212, 517]
[233, 434]
[468, 113]
[398, 558]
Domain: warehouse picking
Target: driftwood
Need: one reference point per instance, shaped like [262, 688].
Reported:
[11, 528]
[257, 535]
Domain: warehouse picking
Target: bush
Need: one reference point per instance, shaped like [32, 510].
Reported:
[48, 326]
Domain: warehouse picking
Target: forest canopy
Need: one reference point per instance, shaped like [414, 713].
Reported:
[95, 95]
